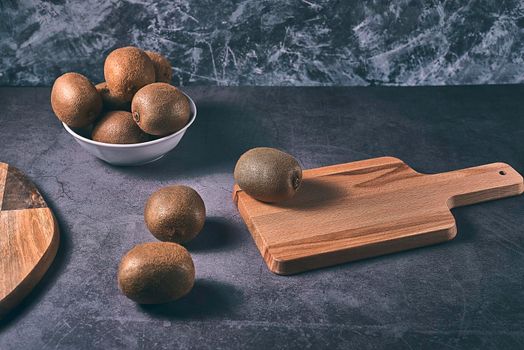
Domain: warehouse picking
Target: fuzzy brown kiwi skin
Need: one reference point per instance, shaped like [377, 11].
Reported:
[110, 101]
[118, 127]
[126, 70]
[160, 109]
[163, 69]
[268, 175]
[156, 272]
[75, 100]
[175, 214]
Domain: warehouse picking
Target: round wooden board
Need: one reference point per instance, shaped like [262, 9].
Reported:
[29, 237]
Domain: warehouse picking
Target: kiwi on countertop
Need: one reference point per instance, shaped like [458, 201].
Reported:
[268, 174]
[118, 127]
[75, 100]
[156, 272]
[110, 101]
[163, 69]
[175, 213]
[160, 109]
[126, 70]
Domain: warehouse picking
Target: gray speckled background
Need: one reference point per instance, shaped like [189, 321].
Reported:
[269, 42]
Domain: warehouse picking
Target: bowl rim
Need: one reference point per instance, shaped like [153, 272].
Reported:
[192, 106]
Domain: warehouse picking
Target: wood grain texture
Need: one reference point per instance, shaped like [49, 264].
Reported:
[28, 237]
[367, 208]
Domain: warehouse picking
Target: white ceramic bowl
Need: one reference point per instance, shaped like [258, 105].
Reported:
[135, 153]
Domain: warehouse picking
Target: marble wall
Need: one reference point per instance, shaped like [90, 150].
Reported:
[270, 42]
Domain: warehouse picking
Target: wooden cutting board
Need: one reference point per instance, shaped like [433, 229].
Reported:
[28, 237]
[367, 208]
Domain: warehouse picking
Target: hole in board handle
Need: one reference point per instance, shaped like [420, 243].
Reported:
[502, 172]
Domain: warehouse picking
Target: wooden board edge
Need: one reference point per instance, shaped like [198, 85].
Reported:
[332, 258]
[236, 190]
[353, 166]
[11, 300]
[3, 175]
[259, 241]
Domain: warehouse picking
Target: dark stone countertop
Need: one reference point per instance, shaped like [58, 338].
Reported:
[466, 293]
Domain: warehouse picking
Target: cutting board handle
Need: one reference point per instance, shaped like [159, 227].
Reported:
[480, 184]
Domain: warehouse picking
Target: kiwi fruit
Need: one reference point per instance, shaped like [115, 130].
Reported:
[110, 101]
[126, 70]
[268, 174]
[156, 272]
[175, 213]
[118, 127]
[163, 70]
[75, 100]
[160, 109]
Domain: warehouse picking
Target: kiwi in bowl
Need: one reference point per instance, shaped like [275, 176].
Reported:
[133, 117]
[129, 153]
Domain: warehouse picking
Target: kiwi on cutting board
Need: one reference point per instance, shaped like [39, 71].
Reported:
[156, 272]
[175, 213]
[163, 69]
[75, 100]
[126, 70]
[118, 127]
[110, 100]
[268, 174]
[160, 109]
